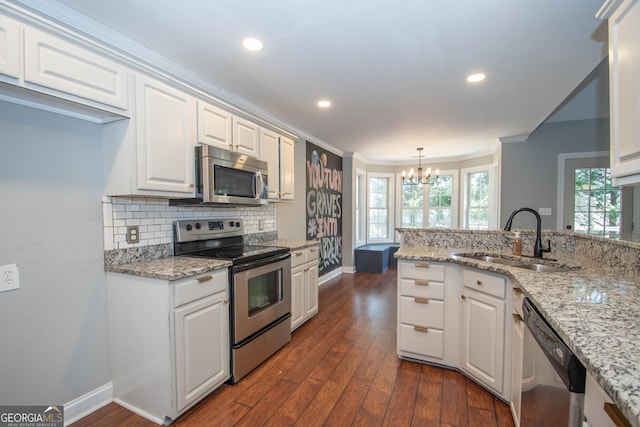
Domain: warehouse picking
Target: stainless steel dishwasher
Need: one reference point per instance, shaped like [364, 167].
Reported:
[554, 393]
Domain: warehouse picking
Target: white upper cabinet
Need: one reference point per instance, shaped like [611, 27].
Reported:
[286, 168]
[246, 137]
[278, 152]
[54, 63]
[624, 88]
[166, 125]
[10, 51]
[222, 129]
[269, 146]
[214, 126]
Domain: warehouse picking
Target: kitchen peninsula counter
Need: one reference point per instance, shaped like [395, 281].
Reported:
[594, 308]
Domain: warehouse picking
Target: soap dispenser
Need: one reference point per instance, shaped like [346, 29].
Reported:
[517, 244]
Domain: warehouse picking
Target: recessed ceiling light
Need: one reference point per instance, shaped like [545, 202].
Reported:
[475, 78]
[252, 45]
[324, 103]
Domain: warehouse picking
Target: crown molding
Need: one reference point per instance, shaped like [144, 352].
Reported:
[608, 8]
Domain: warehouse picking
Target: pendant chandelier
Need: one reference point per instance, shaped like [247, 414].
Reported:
[420, 178]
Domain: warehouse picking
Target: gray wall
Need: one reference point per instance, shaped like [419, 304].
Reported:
[530, 169]
[54, 328]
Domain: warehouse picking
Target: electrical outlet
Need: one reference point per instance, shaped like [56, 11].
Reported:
[544, 211]
[133, 234]
[9, 278]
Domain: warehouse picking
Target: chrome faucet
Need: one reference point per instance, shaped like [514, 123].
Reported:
[537, 249]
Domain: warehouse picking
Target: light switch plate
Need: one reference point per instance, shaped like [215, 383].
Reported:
[9, 278]
[544, 211]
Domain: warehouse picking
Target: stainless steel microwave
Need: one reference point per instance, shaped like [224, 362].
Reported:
[225, 177]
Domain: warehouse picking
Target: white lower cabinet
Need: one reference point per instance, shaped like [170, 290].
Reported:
[599, 410]
[517, 354]
[483, 331]
[427, 312]
[169, 341]
[456, 316]
[304, 286]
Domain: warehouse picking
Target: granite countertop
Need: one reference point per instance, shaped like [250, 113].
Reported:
[173, 268]
[595, 310]
[292, 244]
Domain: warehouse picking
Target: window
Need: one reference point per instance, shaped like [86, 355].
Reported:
[429, 205]
[380, 209]
[597, 203]
[412, 205]
[441, 196]
[477, 198]
[360, 210]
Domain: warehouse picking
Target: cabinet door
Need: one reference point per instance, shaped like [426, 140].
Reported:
[517, 341]
[201, 347]
[624, 63]
[270, 153]
[9, 47]
[483, 338]
[286, 168]
[311, 305]
[297, 296]
[214, 126]
[166, 137]
[246, 137]
[57, 64]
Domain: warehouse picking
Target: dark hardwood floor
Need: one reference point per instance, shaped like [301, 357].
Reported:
[340, 369]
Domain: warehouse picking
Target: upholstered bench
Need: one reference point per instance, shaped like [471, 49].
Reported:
[375, 258]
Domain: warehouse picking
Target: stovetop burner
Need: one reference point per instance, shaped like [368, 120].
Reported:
[219, 238]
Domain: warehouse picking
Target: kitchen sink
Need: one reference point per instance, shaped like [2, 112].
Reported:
[493, 259]
[517, 263]
[539, 268]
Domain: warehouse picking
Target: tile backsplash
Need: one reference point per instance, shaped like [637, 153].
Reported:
[155, 218]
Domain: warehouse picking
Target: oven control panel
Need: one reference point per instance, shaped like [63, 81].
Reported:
[186, 230]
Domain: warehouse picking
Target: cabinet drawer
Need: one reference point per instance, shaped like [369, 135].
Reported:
[429, 342]
[422, 270]
[483, 282]
[301, 256]
[517, 298]
[422, 288]
[203, 285]
[422, 312]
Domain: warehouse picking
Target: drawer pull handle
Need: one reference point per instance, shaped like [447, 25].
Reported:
[422, 265]
[479, 282]
[619, 420]
[298, 253]
[463, 297]
[517, 291]
[422, 282]
[204, 279]
[421, 300]
[226, 301]
[517, 318]
[420, 329]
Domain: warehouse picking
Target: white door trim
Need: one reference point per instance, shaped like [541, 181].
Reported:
[562, 158]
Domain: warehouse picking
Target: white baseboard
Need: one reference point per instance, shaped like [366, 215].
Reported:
[139, 411]
[330, 275]
[88, 403]
[349, 270]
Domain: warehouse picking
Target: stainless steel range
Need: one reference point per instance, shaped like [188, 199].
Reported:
[260, 287]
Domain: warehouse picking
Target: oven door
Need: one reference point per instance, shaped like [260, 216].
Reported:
[261, 294]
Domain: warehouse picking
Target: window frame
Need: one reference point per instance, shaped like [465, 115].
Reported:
[492, 204]
[360, 207]
[454, 199]
[390, 206]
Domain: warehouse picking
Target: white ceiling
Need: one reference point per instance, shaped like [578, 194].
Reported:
[394, 70]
